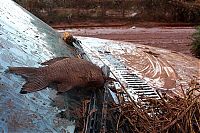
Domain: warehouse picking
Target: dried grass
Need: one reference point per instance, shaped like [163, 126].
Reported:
[167, 114]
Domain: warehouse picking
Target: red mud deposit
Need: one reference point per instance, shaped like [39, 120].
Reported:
[172, 38]
[163, 69]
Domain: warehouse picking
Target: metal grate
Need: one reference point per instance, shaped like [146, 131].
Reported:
[135, 86]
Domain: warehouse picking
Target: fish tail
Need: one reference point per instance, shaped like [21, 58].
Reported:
[35, 79]
[23, 71]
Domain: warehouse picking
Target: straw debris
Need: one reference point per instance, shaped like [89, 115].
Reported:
[167, 114]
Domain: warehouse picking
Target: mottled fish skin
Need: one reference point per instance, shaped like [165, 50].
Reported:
[67, 73]
[75, 72]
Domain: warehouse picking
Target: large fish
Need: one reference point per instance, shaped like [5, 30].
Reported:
[67, 73]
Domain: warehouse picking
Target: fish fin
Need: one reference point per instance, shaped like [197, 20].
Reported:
[34, 84]
[63, 87]
[51, 61]
[35, 81]
[23, 71]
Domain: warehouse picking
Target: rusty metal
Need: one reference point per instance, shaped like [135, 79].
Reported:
[91, 115]
[104, 110]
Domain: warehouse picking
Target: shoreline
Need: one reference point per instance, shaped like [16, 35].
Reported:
[176, 39]
[88, 24]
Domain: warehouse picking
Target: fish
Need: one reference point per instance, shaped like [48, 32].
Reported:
[66, 73]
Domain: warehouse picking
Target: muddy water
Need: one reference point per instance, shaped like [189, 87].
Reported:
[172, 38]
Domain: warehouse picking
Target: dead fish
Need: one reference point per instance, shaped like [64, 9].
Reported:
[67, 73]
